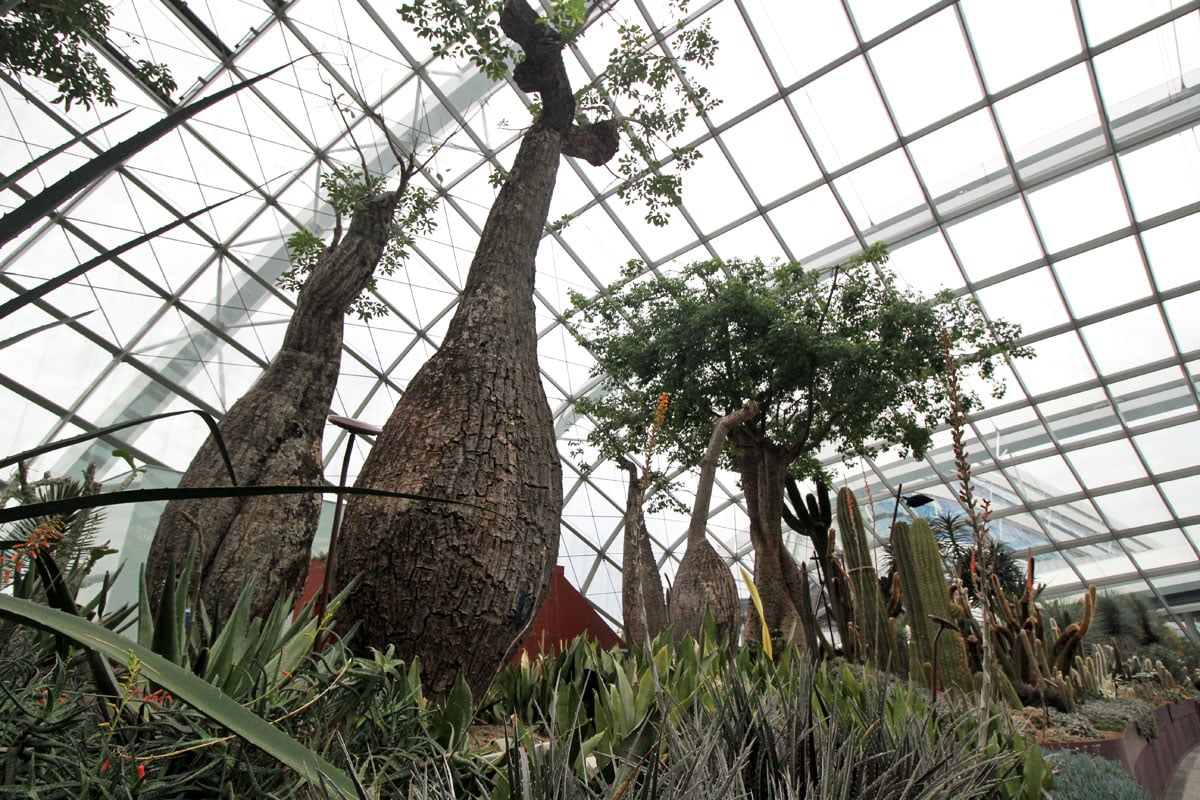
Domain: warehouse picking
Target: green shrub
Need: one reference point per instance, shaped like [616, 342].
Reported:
[1079, 776]
[1115, 714]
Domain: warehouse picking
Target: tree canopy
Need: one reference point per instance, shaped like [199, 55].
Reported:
[49, 40]
[848, 359]
[649, 95]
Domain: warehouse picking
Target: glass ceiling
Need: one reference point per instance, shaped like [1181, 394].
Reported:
[1041, 154]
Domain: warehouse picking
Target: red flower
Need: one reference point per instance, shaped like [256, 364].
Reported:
[141, 771]
[107, 763]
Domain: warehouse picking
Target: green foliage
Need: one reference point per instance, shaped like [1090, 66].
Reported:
[463, 29]
[141, 663]
[49, 40]
[752, 727]
[346, 188]
[69, 539]
[847, 360]
[1079, 776]
[649, 93]
[1115, 714]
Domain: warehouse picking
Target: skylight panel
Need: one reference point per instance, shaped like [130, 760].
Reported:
[1164, 175]
[1155, 65]
[1103, 277]
[1151, 398]
[1051, 123]
[150, 31]
[1106, 464]
[995, 240]
[843, 115]
[874, 17]
[1171, 449]
[230, 20]
[1030, 300]
[800, 38]
[1061, 361]
[962, 163]
[1044, 29]
[812, 222]
[1103, 19]
[1079, 208]
[739, 76]
[1050, 477]
[1164, 549]
[1101, 562]
[881, 190]
[1128, 340]
[768, 175]
[926, 264]
[1170, 249]
[716, 193]
[926, 71]
[752, 239]
[1133, 507]
[1183, 313]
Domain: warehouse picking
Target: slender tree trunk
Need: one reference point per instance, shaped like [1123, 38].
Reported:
[644, 609]
[273, 434]
[704, 583]
[778, 578]
[457, 585]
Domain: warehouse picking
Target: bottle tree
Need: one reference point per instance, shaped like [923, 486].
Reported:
[456, 584]
[848, 360]
[273, 433]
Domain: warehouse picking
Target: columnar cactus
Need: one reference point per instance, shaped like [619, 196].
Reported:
[927, 602]
[870, 617]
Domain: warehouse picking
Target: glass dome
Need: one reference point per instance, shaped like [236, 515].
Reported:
[1042, 155]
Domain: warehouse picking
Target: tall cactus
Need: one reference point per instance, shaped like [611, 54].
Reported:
[812, 517]
[926, 599]
[870, 618]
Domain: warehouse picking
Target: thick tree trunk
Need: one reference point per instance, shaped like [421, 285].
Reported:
[643, 607]
[273, 434]
[704, 583]
[778, 578]
[457, 585]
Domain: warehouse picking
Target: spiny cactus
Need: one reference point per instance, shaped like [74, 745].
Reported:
[1037, 658]
[870, 618]
[813, 518]
[927, 602]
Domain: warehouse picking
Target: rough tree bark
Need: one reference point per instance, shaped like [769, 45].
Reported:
[704, 582]
[456, 585]
[643, 607]
[273, 434]
[763, 470]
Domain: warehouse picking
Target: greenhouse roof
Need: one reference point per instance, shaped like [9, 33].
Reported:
[1042, 155]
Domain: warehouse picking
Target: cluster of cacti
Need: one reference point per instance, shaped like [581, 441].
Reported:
[1034, 655]
[1033, 661]
[940, 653]
[1092, 673]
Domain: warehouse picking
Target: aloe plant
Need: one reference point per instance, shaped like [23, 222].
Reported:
[183, 685]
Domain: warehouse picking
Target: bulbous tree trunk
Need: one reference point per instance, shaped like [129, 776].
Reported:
[457, 585]
[763, 470]
[704, 583]
[643, 607]
[273, 434]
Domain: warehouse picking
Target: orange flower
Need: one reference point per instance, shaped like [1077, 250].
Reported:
[660, 414]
